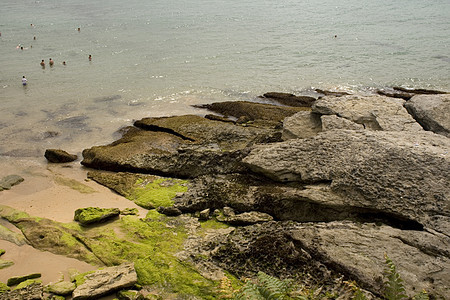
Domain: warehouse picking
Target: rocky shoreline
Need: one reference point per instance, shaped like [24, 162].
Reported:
[317, 189]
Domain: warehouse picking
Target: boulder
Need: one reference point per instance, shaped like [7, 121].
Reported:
[62, 288]
[106, 281]
[290, 99]
[59, 156]
[432, 112]
[401, 175]
[395, 94]
[90, 215]
[8, 181]
[301, 125]
[373, 112]
[169, 211]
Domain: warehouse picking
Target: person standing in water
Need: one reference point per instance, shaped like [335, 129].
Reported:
[51, 62]
[24, 80]
[90, 57]
[42, 64]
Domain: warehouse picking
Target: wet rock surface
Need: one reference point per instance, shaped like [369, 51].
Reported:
[323, 193]
[59, 156]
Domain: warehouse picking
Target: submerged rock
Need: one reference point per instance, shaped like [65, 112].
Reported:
[59, 156]
[105, 281]
[9, 181]
[290, 99]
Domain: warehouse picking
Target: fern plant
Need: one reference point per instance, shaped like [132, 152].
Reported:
[266, 288]
[394, 289]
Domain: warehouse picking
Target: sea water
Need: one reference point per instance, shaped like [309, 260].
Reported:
[159, 57]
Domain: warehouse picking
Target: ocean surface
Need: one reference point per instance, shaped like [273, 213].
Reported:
[159, 57]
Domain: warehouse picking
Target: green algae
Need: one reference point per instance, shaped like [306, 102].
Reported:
[159, 192]
[26, 283]
[90, 215]
[4, 287]
[74, 185]
[151, 243]
[213, 224]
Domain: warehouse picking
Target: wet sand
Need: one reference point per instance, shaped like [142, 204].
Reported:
[43, 195]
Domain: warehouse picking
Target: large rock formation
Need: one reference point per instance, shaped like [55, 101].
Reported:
[401, 174]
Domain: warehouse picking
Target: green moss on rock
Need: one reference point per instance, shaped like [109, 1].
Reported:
[4, 287]
[156, 193]
[27, 282]
[91, 215]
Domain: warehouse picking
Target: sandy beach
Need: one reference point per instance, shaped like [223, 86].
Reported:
[44, 193]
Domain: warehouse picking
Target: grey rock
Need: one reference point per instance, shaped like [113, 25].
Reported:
[62, 288]
[13, 237]
[59, 156]
[400, 174]
[228, 211]
[106, 281]
[204, 214]
[169, 211]
[432, 112]
[30, 292]
[248, 218]
[301, 125]
[358, 251]
[373, 112]
[8, 181]
[331, 122]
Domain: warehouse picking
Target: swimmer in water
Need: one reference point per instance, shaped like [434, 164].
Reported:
[51, 62]
[90, 57]
[42, 64]
[24, 80]
[64, 63]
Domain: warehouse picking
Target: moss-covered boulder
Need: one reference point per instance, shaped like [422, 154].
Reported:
[62, 288]
[18, 279]
[147, 191]
[4, 287]
[59, 156]
[90, 215]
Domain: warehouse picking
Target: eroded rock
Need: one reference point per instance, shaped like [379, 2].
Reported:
[9, 181]
[373, 112]
[106, 281]
[90, 215]
[402, 174]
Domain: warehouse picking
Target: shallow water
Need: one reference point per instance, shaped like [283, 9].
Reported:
[156, 58]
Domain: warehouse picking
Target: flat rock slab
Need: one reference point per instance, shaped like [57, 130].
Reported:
[358, 250]
[373, 112]
[8, 181]
[404, 174]
[106, 281]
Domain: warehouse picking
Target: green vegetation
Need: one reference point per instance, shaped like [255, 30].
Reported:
[159, 192]
[27, 283]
